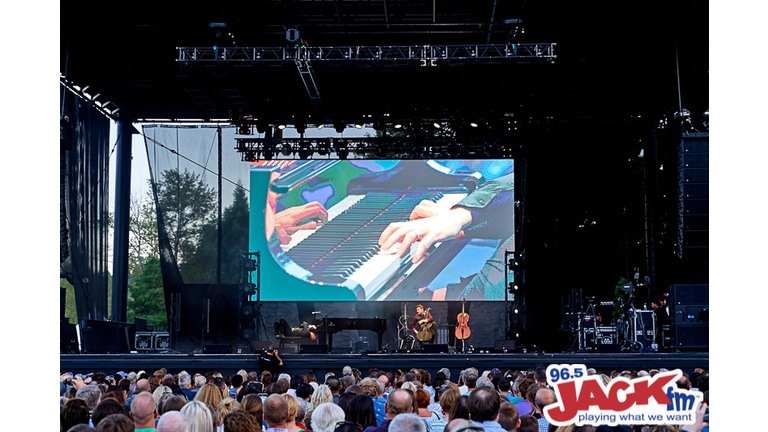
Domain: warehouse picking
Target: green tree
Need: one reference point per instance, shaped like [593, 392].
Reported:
[188, 207]
[146, 298]
[142, 241]
[200, 266]
[234, 232]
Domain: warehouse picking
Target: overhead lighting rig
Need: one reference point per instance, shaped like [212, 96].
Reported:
[409, 147]
[108, 108]
[425, 55]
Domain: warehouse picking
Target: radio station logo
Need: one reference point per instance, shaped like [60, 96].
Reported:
[585, 400]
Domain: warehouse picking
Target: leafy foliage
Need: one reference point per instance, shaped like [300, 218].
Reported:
[145, 295]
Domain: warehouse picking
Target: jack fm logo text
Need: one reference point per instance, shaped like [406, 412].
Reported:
[585, 399]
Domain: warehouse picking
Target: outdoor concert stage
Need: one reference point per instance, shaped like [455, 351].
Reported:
[228, 364]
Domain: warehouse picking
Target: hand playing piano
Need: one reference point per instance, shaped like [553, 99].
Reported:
[302, 217]
[425, 230]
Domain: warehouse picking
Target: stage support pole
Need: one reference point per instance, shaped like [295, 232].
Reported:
[122, 219]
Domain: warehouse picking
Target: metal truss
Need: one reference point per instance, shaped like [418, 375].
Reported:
[252, 149]
[425, 55]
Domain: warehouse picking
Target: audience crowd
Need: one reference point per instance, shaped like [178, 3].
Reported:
[381, 401]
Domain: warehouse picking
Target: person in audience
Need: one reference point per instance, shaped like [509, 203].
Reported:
[106, 407]
[345, 399]
[237, 384]
[185, 381]
[459, 410]
[276, 412]
[82, 427]
[508, 417]
[325, 417]
[142, 385]
[483, 404]
[75, 411]
[528, 423]
[543, 397]
[209, 394]
[335, 385]
[173, 421]
[399, 401]
[91, 394]
[226, 406]
[360, 410]
[408, 423]
[199, 416]
[240, 421]
[159, 392]
[489, 403]
[118, 423]
[293, 411]
[143, 412]
[170, 403]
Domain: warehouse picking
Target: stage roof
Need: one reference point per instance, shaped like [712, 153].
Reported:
[613, 58]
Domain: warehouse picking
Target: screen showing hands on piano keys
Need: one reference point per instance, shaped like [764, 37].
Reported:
[385, 229]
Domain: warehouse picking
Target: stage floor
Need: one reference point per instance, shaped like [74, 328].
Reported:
[229, 364]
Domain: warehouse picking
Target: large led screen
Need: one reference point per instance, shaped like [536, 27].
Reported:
[382, 230]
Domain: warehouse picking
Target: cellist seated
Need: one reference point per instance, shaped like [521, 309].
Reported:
[426, 332]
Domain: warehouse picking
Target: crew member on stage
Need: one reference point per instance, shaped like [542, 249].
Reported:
[662, 319]
[424, 320]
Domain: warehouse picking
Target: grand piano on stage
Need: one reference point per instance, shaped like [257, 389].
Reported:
[341, 259]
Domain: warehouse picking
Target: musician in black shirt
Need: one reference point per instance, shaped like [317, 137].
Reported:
[426, 332]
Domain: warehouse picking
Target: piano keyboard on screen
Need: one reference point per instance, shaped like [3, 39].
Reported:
[346, 248]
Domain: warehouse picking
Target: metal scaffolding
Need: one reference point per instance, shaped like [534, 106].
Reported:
[425, 55]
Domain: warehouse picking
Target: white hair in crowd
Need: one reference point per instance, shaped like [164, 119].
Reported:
[325, 417]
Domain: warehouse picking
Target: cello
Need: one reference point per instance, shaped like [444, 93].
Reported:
[427, 330]
[462, 328]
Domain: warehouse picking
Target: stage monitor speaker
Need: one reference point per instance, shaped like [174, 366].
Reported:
[217, 349]
[434, 348]
[313, 349]
[143, 341]
[68, 338]
[504, 346]
[161, 341]
[107, 337]
[259, 346]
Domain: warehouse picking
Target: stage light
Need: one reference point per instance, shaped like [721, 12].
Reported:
[398, 126]
[320, 126]
[249, 288]
[281, 126]
[244, 129]
[305, 150]
[358, 125]
[473, 124]
[324, 147]
[436, 125]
